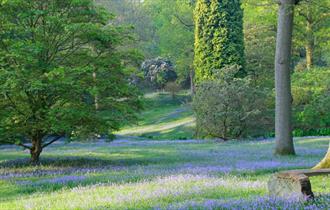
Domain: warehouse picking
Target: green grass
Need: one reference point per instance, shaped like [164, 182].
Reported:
[128, 174]
[164, 118]
[320, 184]
[140, 173]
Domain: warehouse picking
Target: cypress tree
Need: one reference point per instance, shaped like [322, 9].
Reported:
[219, 39]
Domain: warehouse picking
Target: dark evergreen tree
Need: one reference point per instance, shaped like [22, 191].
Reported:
[219, 37]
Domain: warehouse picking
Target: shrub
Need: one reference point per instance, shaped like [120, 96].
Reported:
[311, 99]
[229, 107]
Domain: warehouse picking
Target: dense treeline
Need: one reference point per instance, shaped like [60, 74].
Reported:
[169, 32]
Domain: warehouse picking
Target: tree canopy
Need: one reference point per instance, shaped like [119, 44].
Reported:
[49, 52]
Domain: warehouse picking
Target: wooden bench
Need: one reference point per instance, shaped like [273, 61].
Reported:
[294, 183]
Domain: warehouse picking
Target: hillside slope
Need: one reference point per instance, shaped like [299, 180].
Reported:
[164, 118]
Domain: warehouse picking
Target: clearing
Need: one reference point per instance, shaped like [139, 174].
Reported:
[148, 174]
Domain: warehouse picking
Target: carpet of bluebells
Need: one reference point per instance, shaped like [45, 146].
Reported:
[137, 174]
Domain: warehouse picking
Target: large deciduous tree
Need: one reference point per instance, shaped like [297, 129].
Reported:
[283, 115]
[284, 141]
[218, 36]
[49, 52]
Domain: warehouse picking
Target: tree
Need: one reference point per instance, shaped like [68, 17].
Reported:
[49, 52]
[312, 27]
[283, 118]
[218, 36]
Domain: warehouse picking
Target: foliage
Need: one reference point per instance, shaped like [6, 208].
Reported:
[162, 28]
[312, 29]
[260, 27]
[131, 13]
[311, 94]
[174, 34]
[158, 72]
[218, 36]
[259, 39]
[229, 107]
[61, 73]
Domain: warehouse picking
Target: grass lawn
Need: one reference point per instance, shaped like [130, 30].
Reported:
[164, 118]
[128, 174]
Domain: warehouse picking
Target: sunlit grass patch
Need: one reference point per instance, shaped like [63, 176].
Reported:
[158, 192]
[320, 184]
[164, 118]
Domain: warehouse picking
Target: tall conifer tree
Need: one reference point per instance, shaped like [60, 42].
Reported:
[219, 37]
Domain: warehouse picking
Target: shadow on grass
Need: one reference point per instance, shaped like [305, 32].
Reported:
[181, 132]
[86, 162]
[165, 99]
[54, 174]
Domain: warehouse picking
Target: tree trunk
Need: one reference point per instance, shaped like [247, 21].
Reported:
[173, 95]
[283, 121]
[309, 45]
[192, 84]
[325, 163]
[309, 56]
[96, 98]
[36, 149]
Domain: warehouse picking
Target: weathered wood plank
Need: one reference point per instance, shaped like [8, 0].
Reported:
[294, 183]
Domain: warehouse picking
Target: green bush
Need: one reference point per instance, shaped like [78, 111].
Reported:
[229, 107]
[311, 100]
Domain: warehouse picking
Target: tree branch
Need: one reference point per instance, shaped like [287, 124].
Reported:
[183, 22]
[52, 141]
[17, 144]
[23, 145]
[14, 105]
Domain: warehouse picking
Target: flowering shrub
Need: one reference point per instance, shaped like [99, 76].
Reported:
[158, 71]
